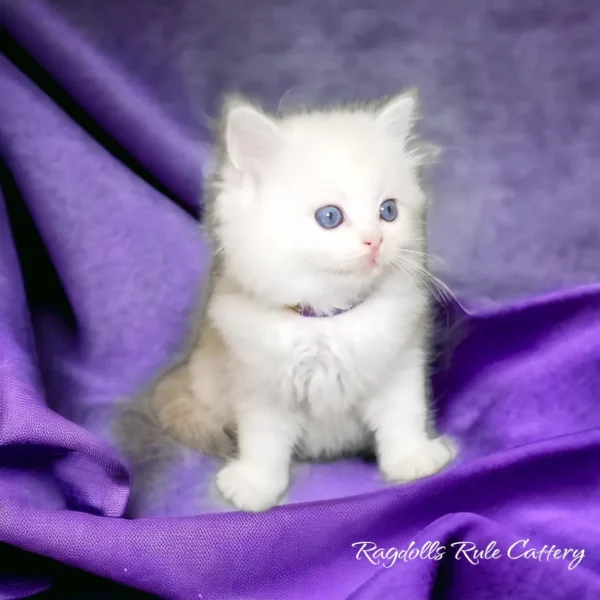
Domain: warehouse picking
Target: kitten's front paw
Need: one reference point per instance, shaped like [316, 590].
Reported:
[249, 487]
[423, 462]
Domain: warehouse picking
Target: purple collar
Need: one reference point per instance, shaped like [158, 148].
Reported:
[307, 311]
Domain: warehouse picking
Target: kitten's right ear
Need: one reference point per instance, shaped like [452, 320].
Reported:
[251, 138]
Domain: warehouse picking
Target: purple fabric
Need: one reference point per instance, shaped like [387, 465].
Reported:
[103, 115]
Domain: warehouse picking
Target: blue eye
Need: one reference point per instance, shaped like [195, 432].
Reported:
[388, 210]
[329, 217]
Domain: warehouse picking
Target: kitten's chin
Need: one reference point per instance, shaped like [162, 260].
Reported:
[363, 273]
[355, 282]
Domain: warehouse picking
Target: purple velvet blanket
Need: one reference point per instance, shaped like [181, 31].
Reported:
[104, 107]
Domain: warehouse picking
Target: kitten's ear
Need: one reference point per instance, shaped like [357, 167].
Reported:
[251, 138]
[399, 114]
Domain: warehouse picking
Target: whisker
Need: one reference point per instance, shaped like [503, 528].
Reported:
[403, 265]
[442, 291]
[406, 251]
[425, 255]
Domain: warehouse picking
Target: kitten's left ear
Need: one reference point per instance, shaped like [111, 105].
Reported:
[399, 114]
[251, 138]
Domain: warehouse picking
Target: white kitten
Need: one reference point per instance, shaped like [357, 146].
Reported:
[314, 339]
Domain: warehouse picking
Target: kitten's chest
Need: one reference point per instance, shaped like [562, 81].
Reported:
[332, 361]
[323, 360]
[322, 368]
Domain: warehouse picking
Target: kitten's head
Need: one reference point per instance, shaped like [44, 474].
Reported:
[314, 208]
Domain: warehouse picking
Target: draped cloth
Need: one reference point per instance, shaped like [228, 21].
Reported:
[104, 113]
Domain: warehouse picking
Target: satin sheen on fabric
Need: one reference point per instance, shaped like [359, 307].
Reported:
[101, 267]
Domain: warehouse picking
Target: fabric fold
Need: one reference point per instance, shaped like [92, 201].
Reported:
[102, 266]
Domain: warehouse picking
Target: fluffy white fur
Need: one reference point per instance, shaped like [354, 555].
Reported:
[286, 384]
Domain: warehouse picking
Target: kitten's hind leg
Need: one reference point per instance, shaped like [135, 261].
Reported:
[193, 421]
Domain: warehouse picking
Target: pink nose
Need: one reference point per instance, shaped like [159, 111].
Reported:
[373, 244]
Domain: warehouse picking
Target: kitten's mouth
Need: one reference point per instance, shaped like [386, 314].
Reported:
[371, 262]
[365, 269]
